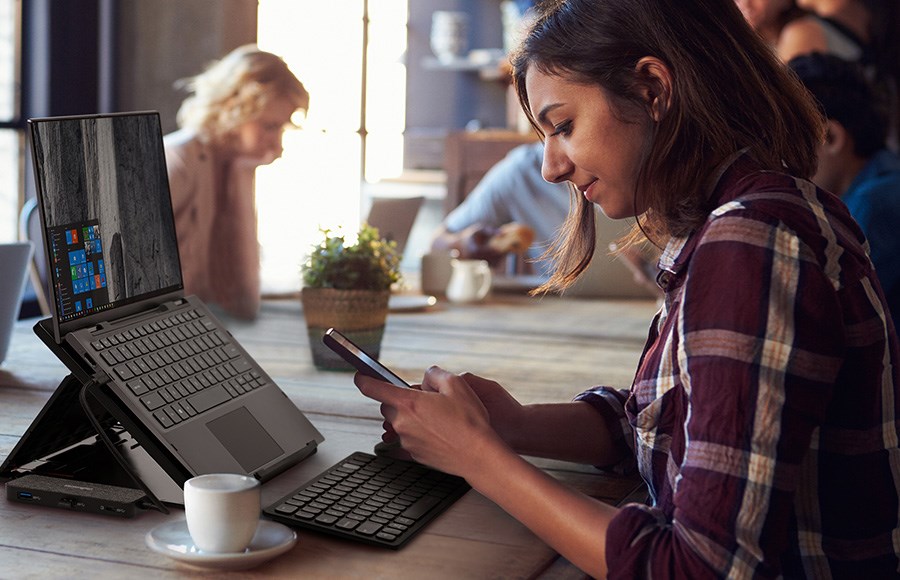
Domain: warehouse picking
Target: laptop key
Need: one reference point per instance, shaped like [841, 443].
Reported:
[153, 401]
[163, 418]
[137, 387]
[231, 351]
[209, 398]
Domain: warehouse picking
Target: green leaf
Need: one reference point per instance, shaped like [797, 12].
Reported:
[372, 263]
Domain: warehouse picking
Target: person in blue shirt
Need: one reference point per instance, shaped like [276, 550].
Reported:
[512, 192]
[855, 162]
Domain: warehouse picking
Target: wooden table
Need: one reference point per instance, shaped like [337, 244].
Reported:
[541, 349]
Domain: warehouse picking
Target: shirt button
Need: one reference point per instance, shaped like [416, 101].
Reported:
[664, 279]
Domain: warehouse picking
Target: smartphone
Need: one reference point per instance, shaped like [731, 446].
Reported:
[356, 356]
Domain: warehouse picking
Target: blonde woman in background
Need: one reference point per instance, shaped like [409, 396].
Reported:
[231, 123]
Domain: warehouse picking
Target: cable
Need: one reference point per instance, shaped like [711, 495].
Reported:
[82, 397]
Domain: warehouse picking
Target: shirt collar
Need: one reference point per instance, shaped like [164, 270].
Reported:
[679, 249]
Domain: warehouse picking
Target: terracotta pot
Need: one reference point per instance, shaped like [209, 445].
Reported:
[358, 314]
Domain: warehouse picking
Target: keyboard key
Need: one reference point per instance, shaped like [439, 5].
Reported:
[421, 507]
[124, 372]
[209, 398]
[326, 519]
[137, 387]
[163, 418]
[368, 528]
[153, 401]
[347, 524]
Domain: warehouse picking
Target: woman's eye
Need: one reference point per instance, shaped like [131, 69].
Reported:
[563, 128]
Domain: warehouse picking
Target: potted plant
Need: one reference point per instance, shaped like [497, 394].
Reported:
[347, 286]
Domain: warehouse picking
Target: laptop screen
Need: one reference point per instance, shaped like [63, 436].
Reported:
[106, 213]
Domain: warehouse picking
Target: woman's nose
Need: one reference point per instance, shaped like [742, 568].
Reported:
[556, 166]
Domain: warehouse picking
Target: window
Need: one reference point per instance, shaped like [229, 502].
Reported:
[10, 132]
[354, 128]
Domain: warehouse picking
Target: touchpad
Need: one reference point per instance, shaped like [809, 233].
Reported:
[245, 439]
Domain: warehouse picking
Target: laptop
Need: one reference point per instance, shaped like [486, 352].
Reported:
[14, 260]
[169, 372]
[394, 217]
[607, 276]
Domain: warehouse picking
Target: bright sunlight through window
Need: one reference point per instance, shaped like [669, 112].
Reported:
[317, 181]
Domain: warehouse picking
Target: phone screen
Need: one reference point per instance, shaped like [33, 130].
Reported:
[360, 360]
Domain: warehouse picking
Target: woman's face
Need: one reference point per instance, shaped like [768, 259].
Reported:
[587, 142]
[259, 140]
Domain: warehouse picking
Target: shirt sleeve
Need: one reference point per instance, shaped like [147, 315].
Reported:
[487, 203]
[610, 403]
[756, 362]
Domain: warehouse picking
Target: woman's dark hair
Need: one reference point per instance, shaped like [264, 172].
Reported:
[729, 92]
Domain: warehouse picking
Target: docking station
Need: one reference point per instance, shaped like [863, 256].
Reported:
[80, 496]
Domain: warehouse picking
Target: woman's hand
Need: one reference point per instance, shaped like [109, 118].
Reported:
[504, 412]
[445, 424]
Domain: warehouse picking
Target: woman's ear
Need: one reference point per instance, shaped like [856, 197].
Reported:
[656, 85]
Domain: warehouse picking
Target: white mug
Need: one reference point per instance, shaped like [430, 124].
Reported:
[470, 280]
[222, 511]
[436, 270]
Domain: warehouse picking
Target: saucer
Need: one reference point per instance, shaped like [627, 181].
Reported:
[410, 302]
[173, 540]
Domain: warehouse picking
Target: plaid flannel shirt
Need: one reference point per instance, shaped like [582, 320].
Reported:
[763, 415]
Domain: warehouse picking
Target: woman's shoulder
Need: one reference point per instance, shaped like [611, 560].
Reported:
[779, 197]
[184, 142]
[801, 35]
[185, 149]
[769, 206]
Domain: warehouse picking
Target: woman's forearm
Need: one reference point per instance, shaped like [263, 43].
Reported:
[566, 431]
[570, 522]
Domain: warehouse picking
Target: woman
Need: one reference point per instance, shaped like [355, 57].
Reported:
[763, 412]
[231, 124]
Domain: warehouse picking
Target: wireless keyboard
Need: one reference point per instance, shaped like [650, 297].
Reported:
[375, 500]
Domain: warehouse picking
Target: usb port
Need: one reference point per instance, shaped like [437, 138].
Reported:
[25, 495]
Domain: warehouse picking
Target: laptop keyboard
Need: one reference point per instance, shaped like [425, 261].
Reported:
[375, 500]
[178, 366]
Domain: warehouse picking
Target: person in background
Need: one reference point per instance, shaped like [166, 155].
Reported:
[770, 18]
[863, 31]
[763, 415]
[512, 196]
[231, 123]
[854, 161]
[512, 199]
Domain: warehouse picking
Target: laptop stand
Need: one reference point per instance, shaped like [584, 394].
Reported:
[73, 439]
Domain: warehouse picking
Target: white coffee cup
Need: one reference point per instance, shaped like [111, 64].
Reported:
[470, 280]
[436, 270]
[222, 511]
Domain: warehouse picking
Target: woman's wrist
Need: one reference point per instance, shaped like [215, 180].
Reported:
[491, 452]
[515, 429]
